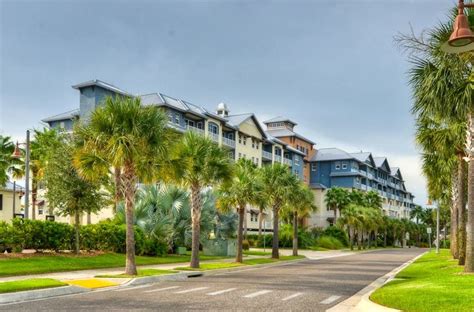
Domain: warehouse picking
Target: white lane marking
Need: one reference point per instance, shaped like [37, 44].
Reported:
[132, 288]
[292, 296]
[221, 292]
[161, 289]
[258, 293]
[330, 300]
[190, 290]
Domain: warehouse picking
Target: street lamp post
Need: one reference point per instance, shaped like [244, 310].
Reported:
[462, 38]
[16, 155]
[437, 230]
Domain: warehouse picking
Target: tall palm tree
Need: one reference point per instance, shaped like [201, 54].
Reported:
[442, 86]
[123, 134]
[240, 192]
[336, 199]
[277, 183]
[198, 163]
[372, 199]
[300, 204]
[350, 219]
[416, 213]
[8, 164]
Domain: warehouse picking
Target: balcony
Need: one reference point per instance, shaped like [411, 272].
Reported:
[267, 155]
[228, 142]
[277, 158]
[196, 130]
[287, 161]
[214, 136]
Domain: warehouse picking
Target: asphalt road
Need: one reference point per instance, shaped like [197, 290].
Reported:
[309, 285]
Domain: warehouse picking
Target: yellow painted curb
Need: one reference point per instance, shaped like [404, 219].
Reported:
[92, 283]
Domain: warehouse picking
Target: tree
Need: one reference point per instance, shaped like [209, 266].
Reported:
[372, 199]
[336, 199]
[198, 163]
[8, 164]
[240, 192]
[277, 183]
[123, 134]
[350, 219]
[416, 213]
[68, 192]
[299, 204]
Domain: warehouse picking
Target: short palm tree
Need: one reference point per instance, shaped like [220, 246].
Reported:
[336, 199]
[198, 163]
[277, 184]
[8, 164]
[123, 134]
[241, 191]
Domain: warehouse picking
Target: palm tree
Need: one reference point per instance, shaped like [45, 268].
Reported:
[350, 219]
[442, 86]
[198, 163]
[123, 134]
[300, 204]
[277, 183]
[372, 199]
[416, 213]
[240, 192]
[336, 199]
[8, 164]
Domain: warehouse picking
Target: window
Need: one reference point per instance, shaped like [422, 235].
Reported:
[240, 155]
[62, 125]
[256, 161]
[338, 165]
[344, 165]
[170, 116]
[253, 143]
[230, 136]
[245, 141]
[297, 161]
[313, 166]
[176, 119]
[199, 125]
[240, 139]
[213, 128]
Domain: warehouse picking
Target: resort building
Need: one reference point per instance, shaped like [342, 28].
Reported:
[10, 201]
[333, 167]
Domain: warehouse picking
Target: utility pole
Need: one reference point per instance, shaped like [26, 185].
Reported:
[437, 230]
[14, 198]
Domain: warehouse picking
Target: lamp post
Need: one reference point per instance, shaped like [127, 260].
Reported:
[17, 154]
[462, 38]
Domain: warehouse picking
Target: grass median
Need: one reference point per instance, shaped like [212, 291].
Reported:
[247, 262]
[432, 283]
[64, 263]
[29, 284]
[141, 273]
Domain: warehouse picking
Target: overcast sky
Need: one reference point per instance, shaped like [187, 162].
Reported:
[330, 65]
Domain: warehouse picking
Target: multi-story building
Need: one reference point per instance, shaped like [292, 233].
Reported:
[333, 167]
[10, 201]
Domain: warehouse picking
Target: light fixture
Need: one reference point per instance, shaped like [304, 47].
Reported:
[462, 38]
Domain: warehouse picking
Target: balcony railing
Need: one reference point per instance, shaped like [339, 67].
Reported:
[267, 155]
[214, 136]
[288, 161]
[196, 130]
[228, 142]
[277, 158]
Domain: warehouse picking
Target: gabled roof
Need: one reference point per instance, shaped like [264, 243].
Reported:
[69, 115]
[396, 172]
[102, 84]
[279, 119]
[294, 150]
[238, 119]
[288, 133]
[272, 139]
[9, 187]
[382, 162]
[363, 157]
[328, 154]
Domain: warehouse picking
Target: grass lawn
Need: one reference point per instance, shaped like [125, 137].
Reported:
[62, 263]
[432, 283]
[225, 265]
[141, 273]
[29, 284]
[257, 253]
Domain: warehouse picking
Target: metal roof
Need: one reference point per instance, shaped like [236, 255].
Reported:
[279, 119]
[9, 187]
[327, 154]
[102, 84]
[69, 115]
[287, 132]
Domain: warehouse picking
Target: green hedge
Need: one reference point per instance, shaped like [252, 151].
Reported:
[49, 235]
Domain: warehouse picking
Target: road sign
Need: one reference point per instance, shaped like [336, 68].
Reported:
[428, 230]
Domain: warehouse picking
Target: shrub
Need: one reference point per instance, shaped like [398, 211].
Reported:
[329, 242]
[336, 232]
[268, 240]
[245, 245]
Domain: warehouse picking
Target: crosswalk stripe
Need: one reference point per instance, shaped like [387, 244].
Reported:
[258, 293]
[292, 296]
[132, 288]
[161, 289]
[190, 290]
[330, 300]
[221, 292]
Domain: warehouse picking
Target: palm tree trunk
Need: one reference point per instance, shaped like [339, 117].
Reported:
[196, 224]
[469, 266]
[118, 187]
[260, 222]
[351, 238]
[359, 240]
[385, 239]
[240, 234]
[129, 187]
[376, 233]
[454, 214]
[335, 215]
[245, 225]
[89, 218]
[295, 233]
[461, 211]
[76, 230]
[276, 224]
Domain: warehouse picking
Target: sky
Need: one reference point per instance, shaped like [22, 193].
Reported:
[330, 65]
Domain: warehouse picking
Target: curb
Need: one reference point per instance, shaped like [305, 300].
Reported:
[159, 278]
[361, 300]
[29, 295]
